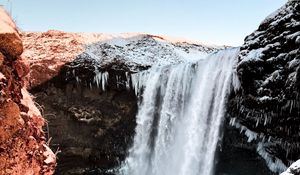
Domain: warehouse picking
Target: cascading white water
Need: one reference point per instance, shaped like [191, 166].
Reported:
[179, 117]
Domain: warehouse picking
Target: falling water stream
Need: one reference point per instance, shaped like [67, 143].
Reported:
[180, 115]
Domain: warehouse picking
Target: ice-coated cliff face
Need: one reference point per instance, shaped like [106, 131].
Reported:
[267, 107]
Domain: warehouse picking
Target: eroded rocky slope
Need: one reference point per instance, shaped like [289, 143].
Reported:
[267, 107]
[23, 147]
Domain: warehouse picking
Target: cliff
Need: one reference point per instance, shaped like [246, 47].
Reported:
[23, 147]
[83, 84]
[267, 106]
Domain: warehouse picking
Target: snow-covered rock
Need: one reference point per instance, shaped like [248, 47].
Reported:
[49, 51]
[294, 169]
[268, 102]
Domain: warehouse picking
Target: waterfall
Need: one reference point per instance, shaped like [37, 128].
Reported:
[179, 117]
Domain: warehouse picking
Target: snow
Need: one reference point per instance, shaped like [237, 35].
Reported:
[132, 51]
[272, 78]
[293, 36]
[145, 49]
[274, 164]
[253, 55]
[293, 169]
[265, 99]
[294, 63]
[298, 40]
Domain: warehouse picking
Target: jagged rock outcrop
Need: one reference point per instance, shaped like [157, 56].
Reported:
[23, 148]
[267, 106]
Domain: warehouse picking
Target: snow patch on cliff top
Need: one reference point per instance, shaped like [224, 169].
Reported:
[145, 50]
[130, 49]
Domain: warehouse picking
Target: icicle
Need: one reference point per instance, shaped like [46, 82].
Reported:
[251, 135]
[266, 120]
[104, 80]
[101, 79]
[274, 164]
[77, 79]
[232, 121]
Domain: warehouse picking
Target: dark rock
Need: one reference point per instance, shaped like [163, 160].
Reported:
[92, 128]
[268, 101]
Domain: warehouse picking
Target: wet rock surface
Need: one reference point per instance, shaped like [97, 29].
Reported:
[268, 101]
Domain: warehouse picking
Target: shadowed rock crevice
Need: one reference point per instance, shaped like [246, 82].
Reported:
[92, 127]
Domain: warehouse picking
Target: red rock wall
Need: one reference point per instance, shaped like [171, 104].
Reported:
[23, 149]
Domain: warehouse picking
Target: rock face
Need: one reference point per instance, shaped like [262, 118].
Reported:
[91, 127]
[267, 106]
[81, 82]
[23, 149]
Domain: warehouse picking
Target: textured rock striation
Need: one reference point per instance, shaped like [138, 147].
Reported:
[267, 106]
[23, 148]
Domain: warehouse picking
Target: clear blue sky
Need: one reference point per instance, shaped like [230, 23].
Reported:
[214, 21]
